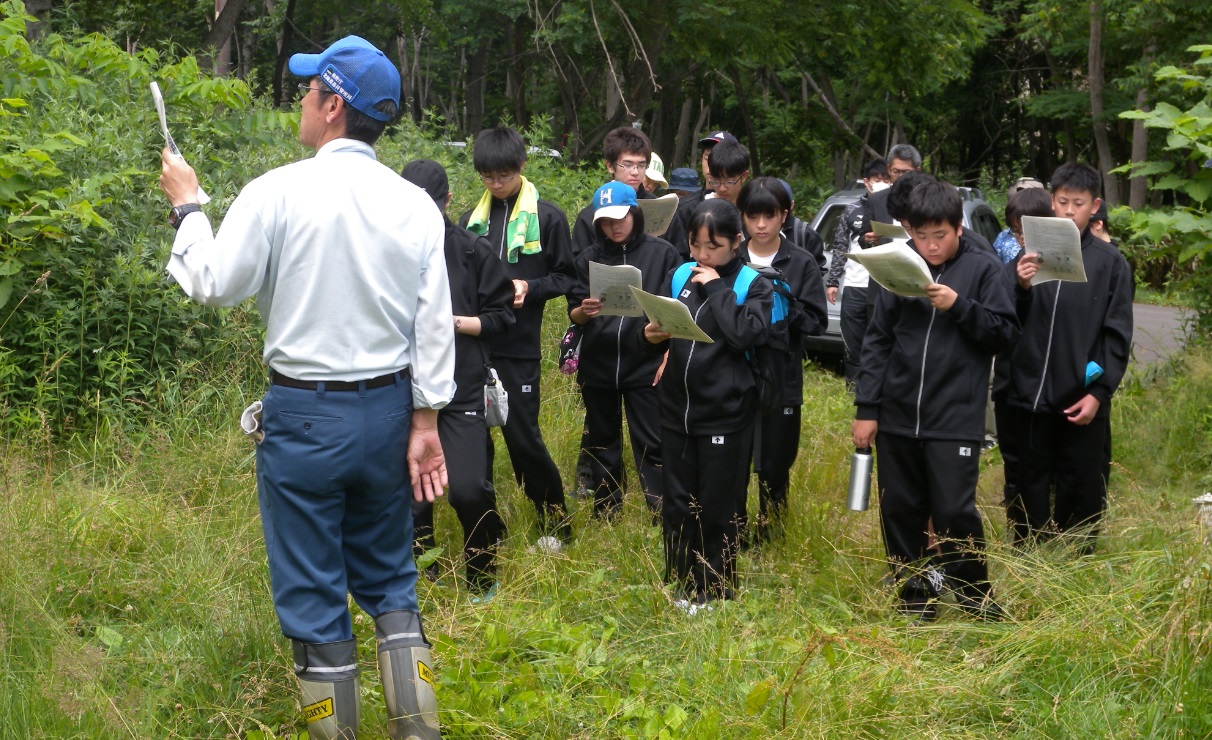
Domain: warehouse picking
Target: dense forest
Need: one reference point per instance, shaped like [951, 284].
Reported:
[987, 90]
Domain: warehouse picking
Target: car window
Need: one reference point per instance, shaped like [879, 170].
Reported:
[827, 223]
[989, 226]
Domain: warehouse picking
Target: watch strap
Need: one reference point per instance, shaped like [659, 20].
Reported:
[177, 214]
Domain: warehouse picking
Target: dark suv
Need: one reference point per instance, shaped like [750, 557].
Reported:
[978, 216]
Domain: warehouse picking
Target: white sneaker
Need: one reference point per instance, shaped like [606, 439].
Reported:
[549, 545]
[691, 608]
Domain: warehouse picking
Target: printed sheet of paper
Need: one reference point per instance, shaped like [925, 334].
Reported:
[672, 315]
[158, 99]
[658, 213]
[612, 285]
[889, 231]
[1059, 246]
[897, 267]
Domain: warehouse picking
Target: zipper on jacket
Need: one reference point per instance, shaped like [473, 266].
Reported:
[1048, 351]
[686, 374]
[921, 385]
[618, 343]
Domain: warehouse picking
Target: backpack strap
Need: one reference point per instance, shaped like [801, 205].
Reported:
[744, 279]
[680, 276]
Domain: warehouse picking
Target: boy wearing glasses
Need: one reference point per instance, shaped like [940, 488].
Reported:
[530, 237]
[678, 234]
[627, 152]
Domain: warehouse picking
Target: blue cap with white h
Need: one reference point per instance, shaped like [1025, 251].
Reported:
[354, 69]
[613, 200]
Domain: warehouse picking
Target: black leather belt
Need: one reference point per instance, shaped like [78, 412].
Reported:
[338, 385]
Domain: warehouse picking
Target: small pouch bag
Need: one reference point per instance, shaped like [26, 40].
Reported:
[570, 349]
[496, 400]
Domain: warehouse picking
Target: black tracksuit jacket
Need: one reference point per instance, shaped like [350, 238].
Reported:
[710, 388]
[807, 316]
[925, 372]
[614, 353]
[1065, 326]
[478, 287]
[548, 274]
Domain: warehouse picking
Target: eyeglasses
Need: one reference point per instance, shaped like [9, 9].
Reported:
[304, 89]
[497, 179]
[899, 171]
[727, 183]
[632, 166]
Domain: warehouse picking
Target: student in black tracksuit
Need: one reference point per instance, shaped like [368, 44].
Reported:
[708, 400]
[481, 298]
[678, 233]
[765, 207]
[541, 269]
[1061, 411]
[617, 366]
[627, 152]
[920, 398]
[1024, 202]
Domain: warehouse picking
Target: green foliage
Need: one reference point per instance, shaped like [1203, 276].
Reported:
[1184, 230]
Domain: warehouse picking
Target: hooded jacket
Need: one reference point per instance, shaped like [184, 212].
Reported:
[1066, 325]
[710, 388]
[614, 353]
[925, 372]
[806, 316]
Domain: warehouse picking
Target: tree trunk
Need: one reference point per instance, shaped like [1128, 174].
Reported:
[40, 9]
[755, 162]
[288, 33]
[682, 139]
[1138, 187]
[215, 52]
[1101, 140]
[475, 89]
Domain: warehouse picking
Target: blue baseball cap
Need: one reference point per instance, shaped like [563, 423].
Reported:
[613, 200]
[354, 69]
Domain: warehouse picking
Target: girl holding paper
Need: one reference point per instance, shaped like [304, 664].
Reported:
[708, 403]
[617, 368]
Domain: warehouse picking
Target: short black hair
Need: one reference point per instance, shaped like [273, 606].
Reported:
[498, 150]
[933, 203]
[764, 196]
[1077, 177]
[637, 230]
[1027, 202]
[898, 194]
[358, 125]
[721, 219]
[728, 159]
[626, 139]
[875, 168]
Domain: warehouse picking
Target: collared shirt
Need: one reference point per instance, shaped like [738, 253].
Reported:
[346, 260]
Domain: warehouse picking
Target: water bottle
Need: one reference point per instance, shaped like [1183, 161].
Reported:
[860, 479]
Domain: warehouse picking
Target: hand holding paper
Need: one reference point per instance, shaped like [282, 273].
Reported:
[200, 194]
[611, 285]
[672, 316]
[1057, 245]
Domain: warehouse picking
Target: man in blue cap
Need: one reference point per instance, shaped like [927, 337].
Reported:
[346, 261]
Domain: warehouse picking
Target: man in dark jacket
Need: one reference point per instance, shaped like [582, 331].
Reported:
[1066, 367]
[677, 235]
[921, 400]
[529, 236]
[481, 297]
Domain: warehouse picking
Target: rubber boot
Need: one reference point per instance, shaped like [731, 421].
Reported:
[328, 681]
[408, 680]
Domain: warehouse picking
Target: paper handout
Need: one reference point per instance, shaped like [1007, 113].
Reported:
[658, 213]
[897, 267]
[889, 231]
[158, 99]
[672, 315]
[612, 286]
[1059, 246]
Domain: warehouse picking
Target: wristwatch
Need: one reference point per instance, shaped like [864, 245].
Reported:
[178, 213]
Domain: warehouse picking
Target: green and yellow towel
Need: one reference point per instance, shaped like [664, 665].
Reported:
[522, 231]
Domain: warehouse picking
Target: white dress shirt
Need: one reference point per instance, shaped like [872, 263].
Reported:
[346, 260]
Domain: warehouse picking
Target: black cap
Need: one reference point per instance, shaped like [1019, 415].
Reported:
[716, 137]
[430, 177]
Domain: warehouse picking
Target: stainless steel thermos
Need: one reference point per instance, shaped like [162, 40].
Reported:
[860, 479]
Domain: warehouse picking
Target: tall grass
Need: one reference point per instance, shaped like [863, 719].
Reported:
[134, 601]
